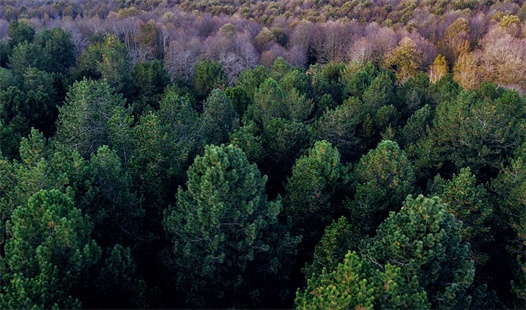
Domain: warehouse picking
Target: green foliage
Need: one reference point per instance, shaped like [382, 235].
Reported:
[269, 103]
[511, 215]
[164, 145]
[84, 122]
[479, 132]
[357, 283]
[311, 188]
[339, 126]
[251, 80]
[339, 238]
[283, 142]
[48, 254]
[208, 76]
[19, 32]
[7, 79]
[469, 203]
[149, 79]
[413, 94]
[227, 240]
[327, 80]
[240, 99]
[219, 117]
[58, 44]
[110, 202]
[50, 51]
[417, 126]
[381, 92]
[424, 240]
[108, 60]
[382, 179]
[248, 139]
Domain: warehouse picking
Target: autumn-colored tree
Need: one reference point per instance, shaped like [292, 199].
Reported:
[439, 69]
[405, 60]
[466, 71]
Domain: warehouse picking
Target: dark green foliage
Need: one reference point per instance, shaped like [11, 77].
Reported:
[50, 51]
[164, 145]
[357, 85]
[445, 90]
[91, 116]
[339, 238]
[296, 79]
[381, 92]
[32, 103]
[283, 141]
[416, 127]
[5, 51]
[339, 127]
[469, 203]
[149, 79]
[327, 80]
[208, 76]
[227, 241]
[413, 94]
[57, 43]
[250, 80]
[269, 103]
[423, 239]
[108, 60]
[248, 139]
[311, 189]
[7, 79]
[110, 202]
[382, 179]
[360, 283]
[219, 117]
[48, 253]
[479, 132]
[20, 32]
[511, 216]
[240, 99]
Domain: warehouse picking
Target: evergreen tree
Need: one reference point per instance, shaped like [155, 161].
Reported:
[510, 188]
[48, 254]
[86, 120]
[469, 203]
[359, 283]
[208, 76]
[382, 179]
[228, 244]
[310, 190]
[340, 127]
[423, 239]
[339, 238]
[219, 117]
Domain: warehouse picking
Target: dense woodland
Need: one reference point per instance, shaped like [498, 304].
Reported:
[316, 154]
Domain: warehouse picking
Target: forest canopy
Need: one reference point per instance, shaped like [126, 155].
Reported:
[262, 154]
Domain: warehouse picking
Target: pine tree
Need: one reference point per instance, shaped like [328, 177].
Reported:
[359, 283]
[382, 179]
[310, 190]
[48, 253]
[227, 241]
[424, 240]
[469, 203]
